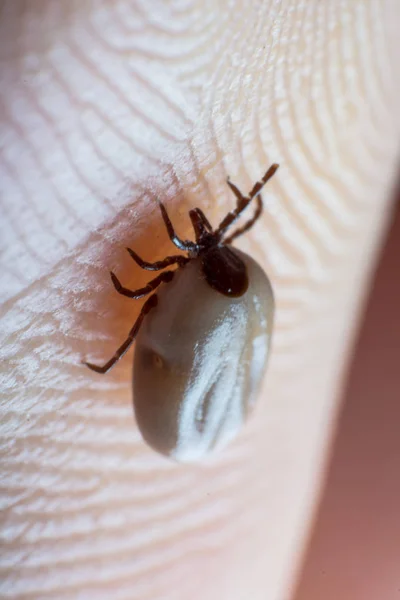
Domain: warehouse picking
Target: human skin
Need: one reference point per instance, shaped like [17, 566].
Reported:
[106, 106]
[354, 548]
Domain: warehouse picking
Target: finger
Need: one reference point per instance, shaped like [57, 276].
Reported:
[362, 492]
[104, 110]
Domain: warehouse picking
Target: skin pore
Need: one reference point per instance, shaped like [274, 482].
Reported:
[105, 107]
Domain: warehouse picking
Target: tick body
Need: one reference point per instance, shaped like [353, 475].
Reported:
[202, 340]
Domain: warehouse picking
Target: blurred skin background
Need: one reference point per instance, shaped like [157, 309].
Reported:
[354, 547]
[104, 107]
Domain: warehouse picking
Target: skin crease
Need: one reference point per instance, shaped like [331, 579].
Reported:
[105, 106]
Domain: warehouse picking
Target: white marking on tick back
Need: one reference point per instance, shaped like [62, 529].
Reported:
[213, 393]
[260, 347]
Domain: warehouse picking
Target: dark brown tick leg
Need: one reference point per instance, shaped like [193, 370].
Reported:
[160, 264]
[244, 201]
[181, 244]
[146, 308]
[204, 218]
[152, 285]
[200, 224]
[249, 224]
[240, 199]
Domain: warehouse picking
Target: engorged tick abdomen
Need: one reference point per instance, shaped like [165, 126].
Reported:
[199, 359]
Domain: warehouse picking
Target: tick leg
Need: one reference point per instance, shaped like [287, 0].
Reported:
[181, 244]
[146, 308]
[244, 201]
[204, 219]
[248, 225]
[239, 196]
[200, 223]
[164, 277]
[177, 259]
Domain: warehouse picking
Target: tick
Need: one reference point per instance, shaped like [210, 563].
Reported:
[202, 341]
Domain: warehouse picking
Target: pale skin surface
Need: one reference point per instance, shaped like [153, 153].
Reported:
[103, 109]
